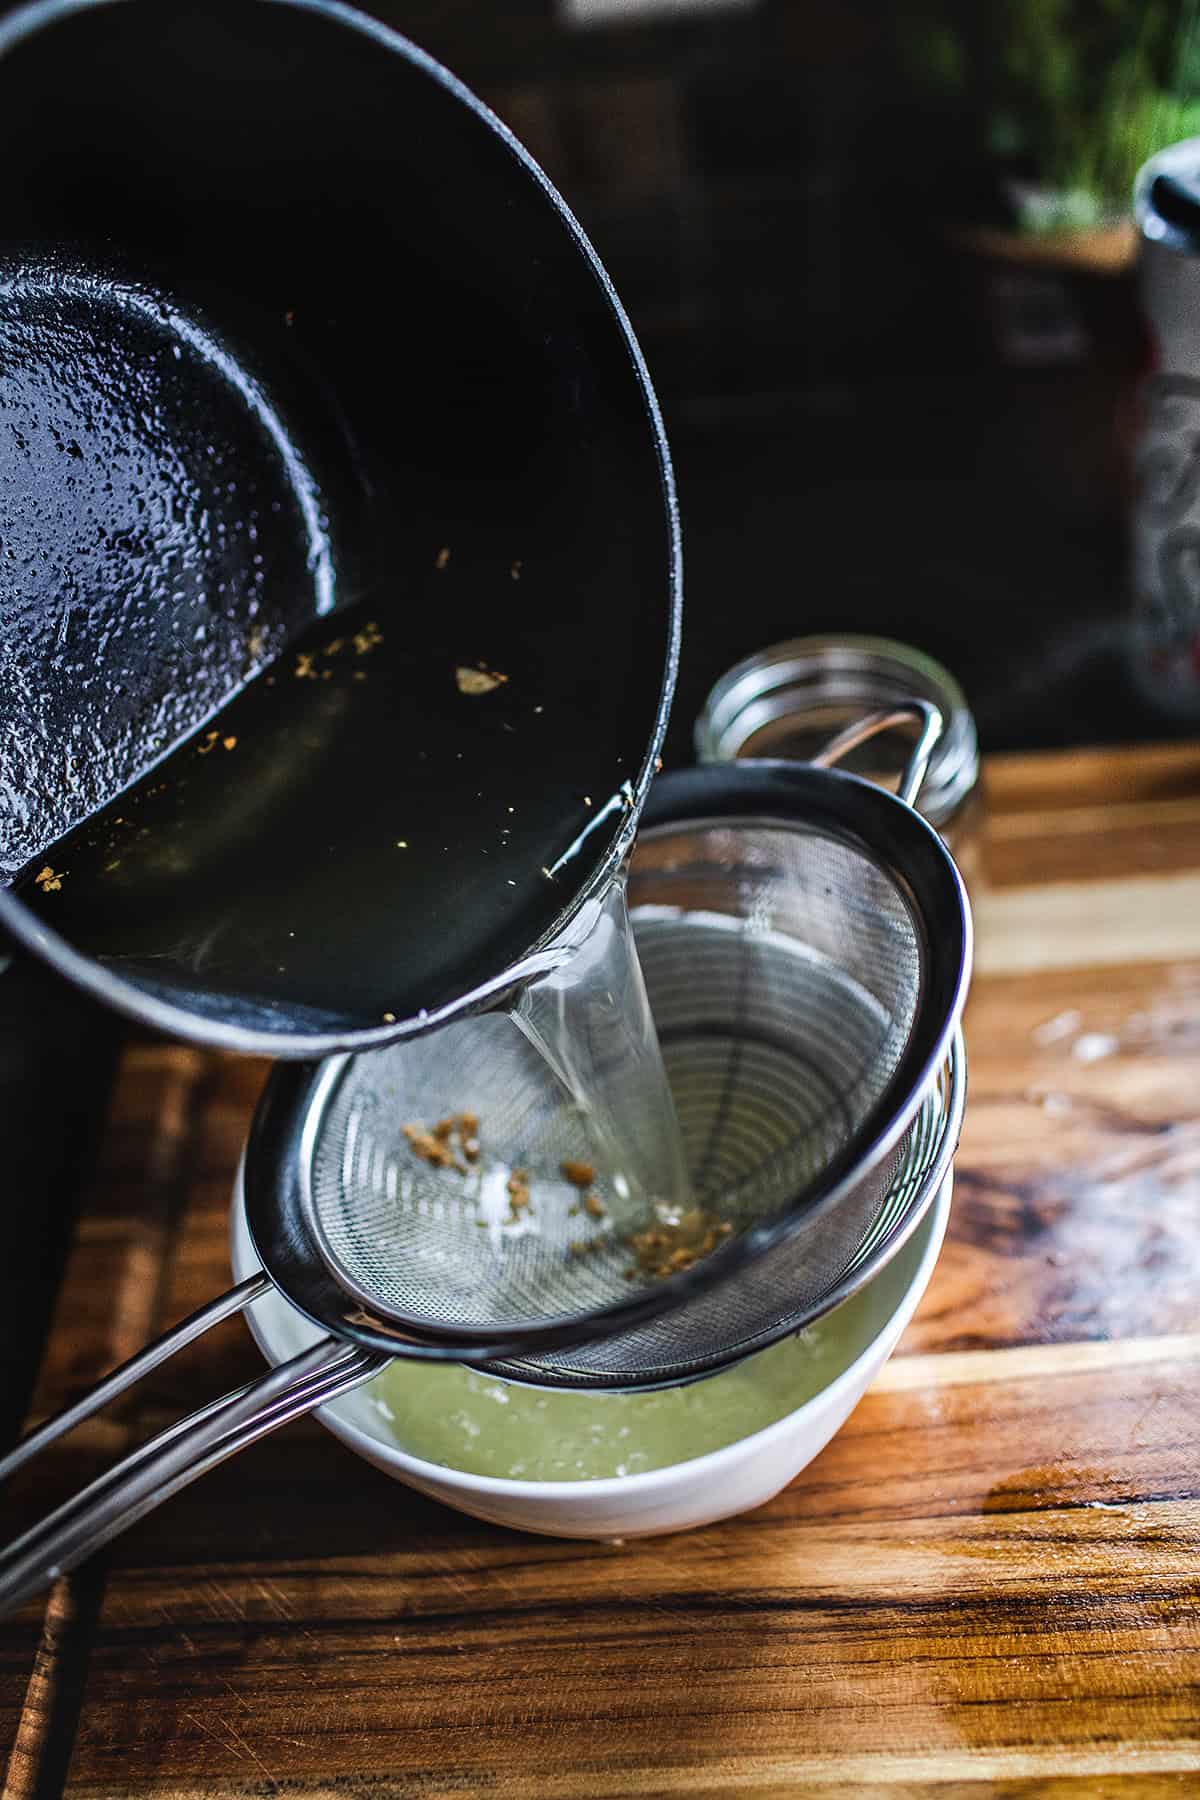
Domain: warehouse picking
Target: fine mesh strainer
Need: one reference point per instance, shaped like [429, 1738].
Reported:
[805, 942]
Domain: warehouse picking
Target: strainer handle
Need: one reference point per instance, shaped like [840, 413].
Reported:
[176, 1457]
[930, 726]
[123, 1377]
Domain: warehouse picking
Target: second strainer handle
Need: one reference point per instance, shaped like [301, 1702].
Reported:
[929, 722]
[185, 1450]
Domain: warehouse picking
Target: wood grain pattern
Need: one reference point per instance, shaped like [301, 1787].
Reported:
[1072, 925]
[987, 1585]
[1086, 816]
[112, 1302]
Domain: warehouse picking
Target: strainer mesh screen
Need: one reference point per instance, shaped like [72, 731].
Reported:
[784, 969]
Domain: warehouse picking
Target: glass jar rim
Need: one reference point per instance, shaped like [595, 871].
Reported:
[798, 676]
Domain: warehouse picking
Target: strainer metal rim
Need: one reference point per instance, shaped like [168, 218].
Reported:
[949, 1130]
[279, 1202]
[860, 1270]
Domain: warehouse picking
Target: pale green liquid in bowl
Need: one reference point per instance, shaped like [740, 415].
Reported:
[484, 1426]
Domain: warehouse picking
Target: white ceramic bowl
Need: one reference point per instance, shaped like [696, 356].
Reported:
[713, 1486]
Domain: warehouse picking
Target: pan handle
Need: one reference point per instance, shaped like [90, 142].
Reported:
[930, 726]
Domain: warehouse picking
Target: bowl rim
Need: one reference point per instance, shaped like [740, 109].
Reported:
[643, 1484]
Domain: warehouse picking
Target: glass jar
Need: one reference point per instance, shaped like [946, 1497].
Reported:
[790, 699]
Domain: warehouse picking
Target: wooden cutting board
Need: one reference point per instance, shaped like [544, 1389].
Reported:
[988, 1584]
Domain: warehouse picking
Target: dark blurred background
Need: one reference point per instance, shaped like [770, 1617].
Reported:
[880, 256]
[880, 260]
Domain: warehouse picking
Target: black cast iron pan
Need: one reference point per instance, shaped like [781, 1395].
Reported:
[299, 349]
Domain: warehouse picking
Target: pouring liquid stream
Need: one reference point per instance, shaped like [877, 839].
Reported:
[591, 1022]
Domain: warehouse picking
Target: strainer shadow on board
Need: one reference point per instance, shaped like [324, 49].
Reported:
[806, 943]
[339, 595]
